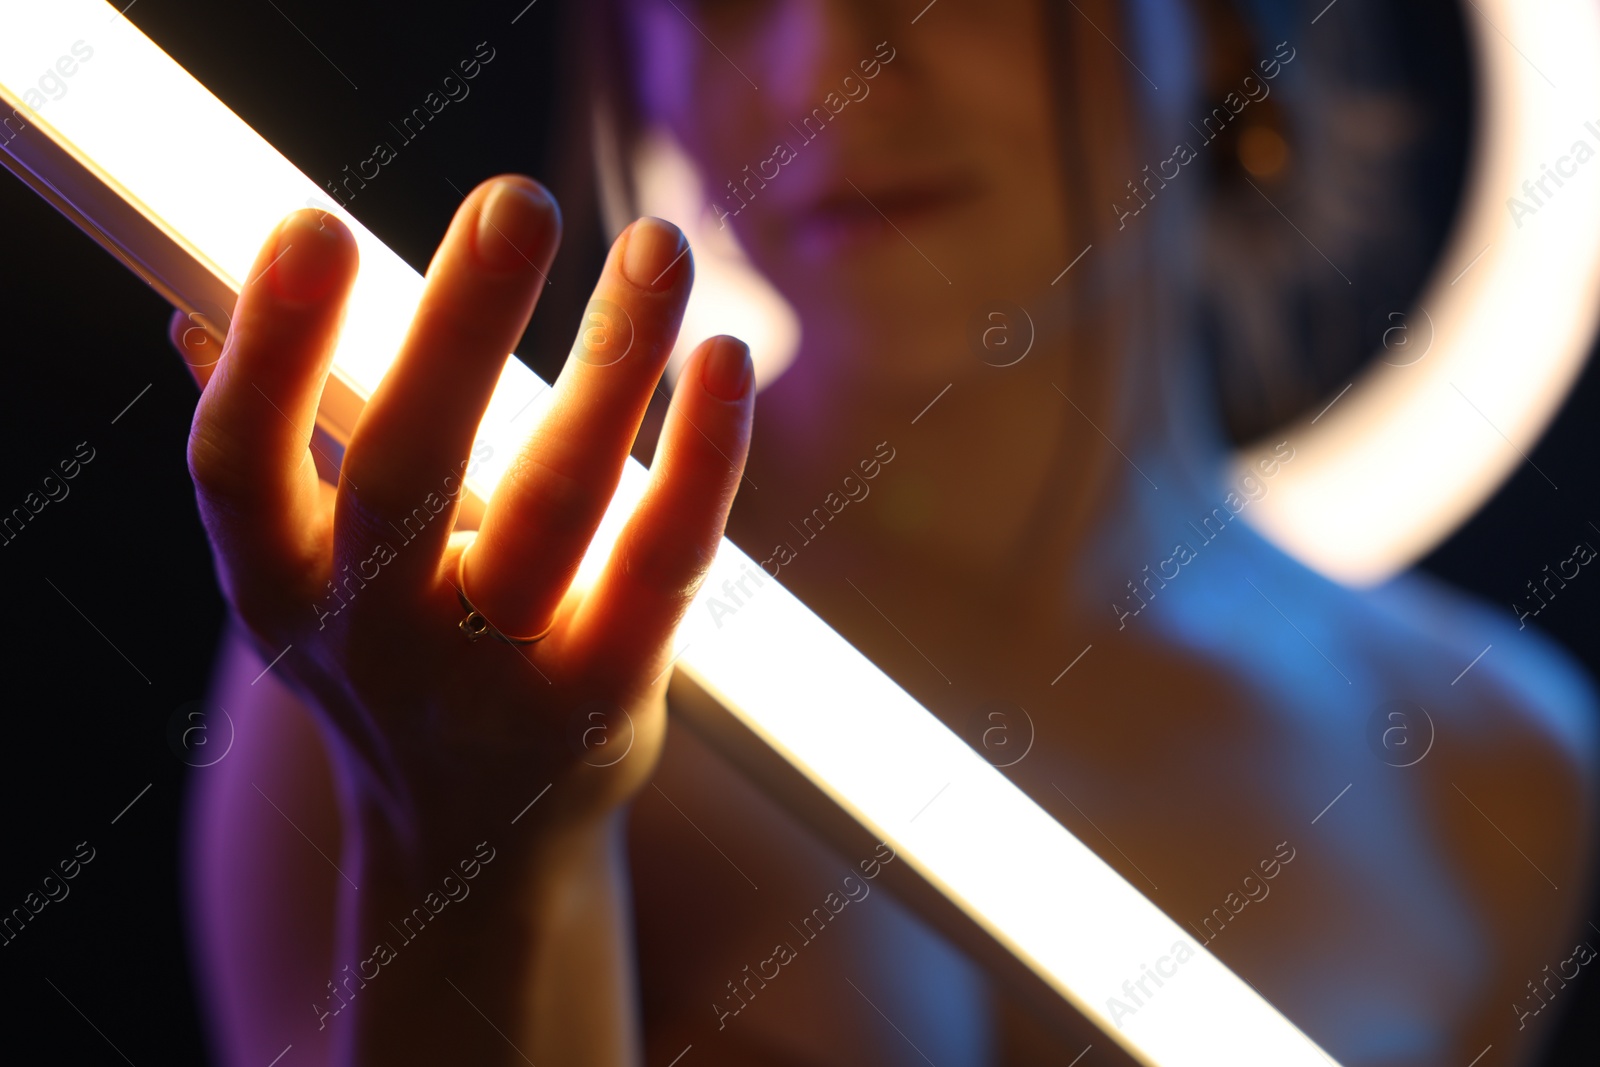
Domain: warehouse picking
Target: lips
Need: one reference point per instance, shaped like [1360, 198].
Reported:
[852, 215]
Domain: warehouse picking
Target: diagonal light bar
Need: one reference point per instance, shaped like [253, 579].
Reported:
[117, 150]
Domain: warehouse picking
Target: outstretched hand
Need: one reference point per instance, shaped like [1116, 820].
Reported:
[434, 732]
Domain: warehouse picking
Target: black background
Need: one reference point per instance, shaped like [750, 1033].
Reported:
[114, 608]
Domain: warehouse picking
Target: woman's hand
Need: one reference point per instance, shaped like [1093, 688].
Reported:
[442, 741]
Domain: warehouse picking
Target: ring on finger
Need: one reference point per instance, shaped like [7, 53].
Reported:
[476, 624]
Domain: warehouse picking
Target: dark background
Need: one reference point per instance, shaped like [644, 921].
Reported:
[115, 609]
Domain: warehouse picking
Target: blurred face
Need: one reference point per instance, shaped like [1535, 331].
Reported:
[890, 178]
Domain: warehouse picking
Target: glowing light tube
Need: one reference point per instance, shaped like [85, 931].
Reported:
[1470, 377]
[115, 152]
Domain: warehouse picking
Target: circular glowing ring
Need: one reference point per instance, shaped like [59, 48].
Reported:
[1394, 466]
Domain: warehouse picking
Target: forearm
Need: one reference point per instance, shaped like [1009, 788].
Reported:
[527, 960]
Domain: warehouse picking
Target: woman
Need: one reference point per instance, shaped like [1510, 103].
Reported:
[451, 908]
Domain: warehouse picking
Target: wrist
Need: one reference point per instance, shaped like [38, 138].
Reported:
[438, 933]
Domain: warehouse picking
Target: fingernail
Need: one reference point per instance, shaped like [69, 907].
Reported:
[654, 254]
[727, 371]
[513, 226]
[304, 262]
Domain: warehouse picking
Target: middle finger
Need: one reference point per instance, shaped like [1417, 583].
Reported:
[404, 464]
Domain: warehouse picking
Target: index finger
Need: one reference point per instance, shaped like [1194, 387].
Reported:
[248, 444]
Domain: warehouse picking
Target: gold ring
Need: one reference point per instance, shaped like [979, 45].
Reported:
[476, 624]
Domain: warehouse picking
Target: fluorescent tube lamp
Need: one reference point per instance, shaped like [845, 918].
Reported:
[116, 151]
[1469, 378]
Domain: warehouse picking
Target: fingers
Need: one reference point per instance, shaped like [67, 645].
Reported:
[405, 459]
[248, 454]
[547, 506]
[664, 550]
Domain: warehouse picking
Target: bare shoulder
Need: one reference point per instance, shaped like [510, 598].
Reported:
[1505, 677]
[1462, 849]
[1512, 790]
[1414, 637]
